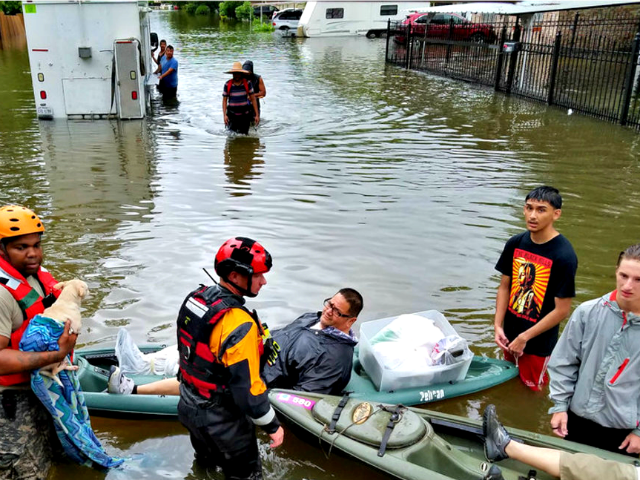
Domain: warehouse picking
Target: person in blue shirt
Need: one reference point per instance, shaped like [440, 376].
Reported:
[168, 70]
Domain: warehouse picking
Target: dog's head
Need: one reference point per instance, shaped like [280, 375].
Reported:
[74, 287]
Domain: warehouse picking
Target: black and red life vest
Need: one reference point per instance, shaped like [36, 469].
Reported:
[31, 304]
[202, 309]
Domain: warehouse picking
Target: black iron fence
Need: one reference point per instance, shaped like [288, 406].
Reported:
[588, 63]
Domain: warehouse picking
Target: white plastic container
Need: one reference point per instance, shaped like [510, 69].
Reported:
[391, 380]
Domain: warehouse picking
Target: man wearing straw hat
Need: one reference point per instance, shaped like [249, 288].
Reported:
[239, 106]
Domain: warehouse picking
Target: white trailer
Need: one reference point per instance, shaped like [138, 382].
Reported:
[89, 58]
[333, 19]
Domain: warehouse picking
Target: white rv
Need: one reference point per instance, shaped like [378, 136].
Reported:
[89, 58]
[333, 19]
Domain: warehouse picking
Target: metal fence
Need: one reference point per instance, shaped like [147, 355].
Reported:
[586, 62]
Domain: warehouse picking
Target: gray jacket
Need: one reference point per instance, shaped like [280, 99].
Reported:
[595, 367]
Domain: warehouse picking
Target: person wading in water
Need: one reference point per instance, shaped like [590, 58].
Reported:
[239, 106]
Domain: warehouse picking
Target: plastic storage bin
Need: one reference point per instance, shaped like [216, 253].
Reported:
[390, 380]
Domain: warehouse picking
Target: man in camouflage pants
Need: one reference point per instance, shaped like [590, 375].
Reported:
[27, 436]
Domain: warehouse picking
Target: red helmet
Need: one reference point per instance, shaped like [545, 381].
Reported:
[242, 255]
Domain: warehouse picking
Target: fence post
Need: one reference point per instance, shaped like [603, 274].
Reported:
[628, 84]
[499, 63]
[554, 68]
[386, 50]
[450, 39]
[407, 41]
[513, 58]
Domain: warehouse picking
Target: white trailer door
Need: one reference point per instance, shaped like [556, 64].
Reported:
[129, 94]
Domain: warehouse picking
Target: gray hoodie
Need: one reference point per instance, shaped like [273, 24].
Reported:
[595, 367]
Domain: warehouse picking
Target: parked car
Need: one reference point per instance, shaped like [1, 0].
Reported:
[267, 10]
[287, 19]
[440, 27]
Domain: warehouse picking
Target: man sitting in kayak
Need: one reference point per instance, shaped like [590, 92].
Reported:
[564, 465]
[316, 353]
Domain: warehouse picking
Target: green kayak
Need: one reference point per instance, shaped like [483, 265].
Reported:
[423, 445]
[483, 373]
[94, 366]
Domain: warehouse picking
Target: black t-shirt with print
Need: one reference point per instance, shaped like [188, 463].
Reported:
[539, 273]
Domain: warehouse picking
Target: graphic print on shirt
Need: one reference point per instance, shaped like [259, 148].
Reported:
[529, 282]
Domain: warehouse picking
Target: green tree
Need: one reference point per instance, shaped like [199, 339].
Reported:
[228, 9]
[244, 11]
[11, 8]
[190, 8]
[203, 10]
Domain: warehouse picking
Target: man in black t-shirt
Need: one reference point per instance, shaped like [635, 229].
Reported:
[538, 281]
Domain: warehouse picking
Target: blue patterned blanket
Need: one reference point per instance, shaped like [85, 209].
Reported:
[65, 403]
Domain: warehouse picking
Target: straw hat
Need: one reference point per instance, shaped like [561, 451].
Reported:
[237, 68]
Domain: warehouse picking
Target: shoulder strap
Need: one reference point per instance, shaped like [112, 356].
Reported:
[229, 87]
[246, 85]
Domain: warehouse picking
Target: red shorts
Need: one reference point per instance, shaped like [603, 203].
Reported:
[532, 368]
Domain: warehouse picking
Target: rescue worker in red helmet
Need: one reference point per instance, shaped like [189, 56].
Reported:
[26, 289]
[220, 342]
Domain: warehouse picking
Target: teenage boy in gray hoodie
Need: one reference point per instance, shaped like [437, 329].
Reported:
[595, 367]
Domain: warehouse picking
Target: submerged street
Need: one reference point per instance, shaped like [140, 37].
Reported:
[401, 185]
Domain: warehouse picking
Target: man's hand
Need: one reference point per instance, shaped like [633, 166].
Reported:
[67, 340]
[559, 424]
[257, 120]
[516, 347]
[226, 119]
[631, 443]
[277, 438]
[501, 339]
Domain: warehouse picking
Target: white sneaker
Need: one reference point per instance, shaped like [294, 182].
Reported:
[119, 383]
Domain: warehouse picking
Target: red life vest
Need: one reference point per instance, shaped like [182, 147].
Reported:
[200, 312]
[31, 304]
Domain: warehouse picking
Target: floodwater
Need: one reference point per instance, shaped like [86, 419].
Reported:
[401, 185]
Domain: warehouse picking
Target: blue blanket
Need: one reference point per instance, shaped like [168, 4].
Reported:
[65, 404]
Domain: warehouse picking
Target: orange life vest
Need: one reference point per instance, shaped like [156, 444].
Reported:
[31, 304]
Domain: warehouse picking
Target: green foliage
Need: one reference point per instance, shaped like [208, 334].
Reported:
[265, 27]
[244, 11]
[203, 10]
[228, 9]
[190, 8]
[11, 8]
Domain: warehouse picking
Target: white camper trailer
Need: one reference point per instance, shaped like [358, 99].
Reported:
[333, 19]
[89, 58]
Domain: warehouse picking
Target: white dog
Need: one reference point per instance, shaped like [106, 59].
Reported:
[66, 308]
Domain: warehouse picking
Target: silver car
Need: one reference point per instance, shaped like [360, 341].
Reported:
[287, 20]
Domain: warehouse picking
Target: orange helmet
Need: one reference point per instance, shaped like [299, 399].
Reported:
[16, 220]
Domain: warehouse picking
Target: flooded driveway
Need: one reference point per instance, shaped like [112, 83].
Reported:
[401, 185]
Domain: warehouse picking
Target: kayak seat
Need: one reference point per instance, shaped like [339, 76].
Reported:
[408, 431]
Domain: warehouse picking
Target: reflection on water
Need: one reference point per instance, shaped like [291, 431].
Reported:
[244, 162]
[401, 185]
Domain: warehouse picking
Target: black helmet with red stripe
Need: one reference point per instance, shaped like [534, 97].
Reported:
[242, 255]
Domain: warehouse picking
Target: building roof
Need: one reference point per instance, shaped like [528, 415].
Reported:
[528, 6]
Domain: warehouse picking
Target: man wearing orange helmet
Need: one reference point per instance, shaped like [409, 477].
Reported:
[26, 289]
[221, 346]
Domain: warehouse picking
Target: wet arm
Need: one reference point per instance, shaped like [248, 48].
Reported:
[166, 73]
[262, 90]
[255, 107]
[502, 301]
[14, 361]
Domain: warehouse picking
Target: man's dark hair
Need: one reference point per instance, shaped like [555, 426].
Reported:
[163, 40]
[169, 47]
[354, 299]
[546, 194]
[631, 253]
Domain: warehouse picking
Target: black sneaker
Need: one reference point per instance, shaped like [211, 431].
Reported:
[496, 437]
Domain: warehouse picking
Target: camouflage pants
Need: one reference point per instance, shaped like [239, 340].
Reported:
[27, 437]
